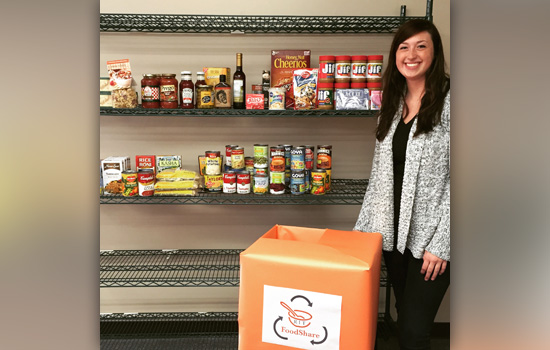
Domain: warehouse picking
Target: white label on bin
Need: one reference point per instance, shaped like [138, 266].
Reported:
[301, 319]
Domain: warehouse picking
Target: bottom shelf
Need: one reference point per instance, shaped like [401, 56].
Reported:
[185, 330]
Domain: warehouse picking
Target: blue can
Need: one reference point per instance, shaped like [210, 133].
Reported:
[297, 182]
[298, 158]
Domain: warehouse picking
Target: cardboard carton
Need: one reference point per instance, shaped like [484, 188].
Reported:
[306, 288]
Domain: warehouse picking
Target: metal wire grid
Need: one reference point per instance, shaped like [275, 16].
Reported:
[175, 268]
[140, 111]
[163, 23]
[343, 192]
[169, 268]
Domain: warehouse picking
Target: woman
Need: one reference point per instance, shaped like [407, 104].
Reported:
[407, 199]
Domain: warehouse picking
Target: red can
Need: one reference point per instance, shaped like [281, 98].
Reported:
[277, 160]
[146, 182]
[243, 183]
[229, 182]
[310, 156]
[228, 149]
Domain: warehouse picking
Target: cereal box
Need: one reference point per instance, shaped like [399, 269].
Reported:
[212, 75]
[283, 64]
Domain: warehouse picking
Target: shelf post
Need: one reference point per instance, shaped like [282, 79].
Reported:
[403, 11]
[429, 7]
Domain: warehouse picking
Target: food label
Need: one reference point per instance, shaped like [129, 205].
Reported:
[229, 183]
[206, 98]
[260, 156]
[168, 162]
[237, 160]
[222, 97]
[145, 162]
[297, 182]
[343, 70]
[187, 95]
[150, 94]
[375, 99]
[238, 91]
[120, 74]
[305, 88]
[168, 93]
[260, 184]
[324, 158]
[297, 159]
[213, 165]
[358, 70]
[130, 184]
[213, 183]
[318, 183]
[326, 70]
[374, 70]
[243, 183]
[325, 98]
[146, 184]
[254, 101]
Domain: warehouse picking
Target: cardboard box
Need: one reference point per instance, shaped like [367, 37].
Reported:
[283, 64]
[212, 75]
[306, 288]
[352, 99]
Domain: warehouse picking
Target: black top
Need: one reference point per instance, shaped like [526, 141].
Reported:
[399, 147]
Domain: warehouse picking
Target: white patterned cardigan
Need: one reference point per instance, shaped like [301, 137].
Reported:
[424, 217]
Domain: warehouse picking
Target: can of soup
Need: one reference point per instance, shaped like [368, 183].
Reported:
[228, 149]
[237, 158]
[324, 157]
[229, 182]
[243, 182]
[277, 158]
[146, 182]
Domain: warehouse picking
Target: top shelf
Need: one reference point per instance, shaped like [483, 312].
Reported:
[250, 24]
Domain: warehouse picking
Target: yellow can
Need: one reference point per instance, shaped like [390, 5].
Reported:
[213, 183]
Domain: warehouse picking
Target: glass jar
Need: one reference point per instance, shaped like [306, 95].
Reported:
[168, 91]
[187, 90]
[150, 91]
[205, 96]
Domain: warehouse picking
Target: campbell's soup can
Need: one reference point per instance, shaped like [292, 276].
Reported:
[261, 184]
[277, 182]
[277, 159]
[328, 180]
[229, 182]
[261, 156]
[228, 149]
[288, 148]
[298, 158]
[146, 182]
[318, 179]
[298, 182]
[212, 163]
[129, 180]
[237, 158]
[324, 157]
[243, 182]
[309, 156]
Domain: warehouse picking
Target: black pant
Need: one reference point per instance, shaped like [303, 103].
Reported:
[417, 301]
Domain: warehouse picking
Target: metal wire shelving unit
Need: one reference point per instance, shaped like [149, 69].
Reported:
[343, 192]
[175, 268]
[210, 113]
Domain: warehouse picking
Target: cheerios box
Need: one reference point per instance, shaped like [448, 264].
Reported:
[308, 288]
[283, 64]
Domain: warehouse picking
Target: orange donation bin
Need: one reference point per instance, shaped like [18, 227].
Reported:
[307, 288]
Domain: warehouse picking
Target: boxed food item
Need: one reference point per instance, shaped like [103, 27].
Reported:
[283, 64]
[352, 99]
[111, 169]
[146, 162]
[305, 88]
[308, 288]
[255, 101]
[212, 75]
[120, 74]
[167, 162]
[124, 98]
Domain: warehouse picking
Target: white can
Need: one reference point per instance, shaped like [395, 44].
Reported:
[276, 98]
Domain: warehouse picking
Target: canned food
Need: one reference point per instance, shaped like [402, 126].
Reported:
[249, 164]
[324, 157]
[310, 156]
[276, 98]
[298, 158]
[260, 156]
[288, 148]
[243, 183]
[259, 171]
[229, 182]
[328, 180]
[277, 182]
[277, 159]
[307, 176]
[298, 182]
[213, 183]
[213, 164]
[237, 158]
[318, 179]
[261, 183]
[129, 179]
[228, 149]
[146, 182]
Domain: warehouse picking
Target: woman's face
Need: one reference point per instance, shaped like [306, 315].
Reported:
[414, 56]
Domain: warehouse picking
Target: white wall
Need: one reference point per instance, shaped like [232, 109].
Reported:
[190, 227]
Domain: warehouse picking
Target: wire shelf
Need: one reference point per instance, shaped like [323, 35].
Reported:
[239, 24]
[179, 112]
[343, 192]
[175, 268]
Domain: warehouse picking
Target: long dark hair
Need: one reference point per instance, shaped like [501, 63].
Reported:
[394, 84]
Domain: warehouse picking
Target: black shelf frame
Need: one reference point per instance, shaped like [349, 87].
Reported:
[176, 268]
[343, 192]
[179, 112]
[255, 24]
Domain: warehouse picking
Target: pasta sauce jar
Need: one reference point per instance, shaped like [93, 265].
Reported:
[168, 91]
[150, 91]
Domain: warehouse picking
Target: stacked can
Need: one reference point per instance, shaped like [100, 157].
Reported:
[259, 179]
[227, 164]
[324, 162]
[277, 167]
[297, 170]
[309, 165]
[288, 148]
[213, 171]
[325, 86]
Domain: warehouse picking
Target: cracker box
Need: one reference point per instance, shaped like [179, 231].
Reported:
[212, 75]
[283, 64]
[352, 99]
[307, 288]
[168, 162]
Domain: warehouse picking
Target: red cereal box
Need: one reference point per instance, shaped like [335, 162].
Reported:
[283, 64]
[254, 101]
[145, 162]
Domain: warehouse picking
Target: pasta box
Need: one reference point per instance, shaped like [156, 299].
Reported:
[308, 288]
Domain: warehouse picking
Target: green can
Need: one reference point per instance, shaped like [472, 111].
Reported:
[260, 156]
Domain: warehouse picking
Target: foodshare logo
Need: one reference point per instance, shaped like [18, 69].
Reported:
[301, 319]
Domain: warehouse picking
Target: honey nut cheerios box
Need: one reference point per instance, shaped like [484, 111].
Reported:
[308, 288]
[283, 64]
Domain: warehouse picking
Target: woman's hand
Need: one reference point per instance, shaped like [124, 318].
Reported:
[432, 266]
